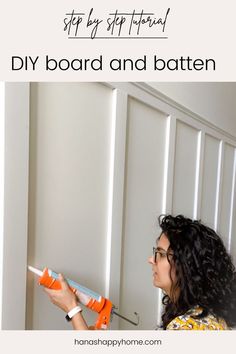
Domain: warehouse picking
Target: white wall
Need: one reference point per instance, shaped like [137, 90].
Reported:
[70, 147]
[216, 102]
[14, 199]
[2, 163]
[147, 130]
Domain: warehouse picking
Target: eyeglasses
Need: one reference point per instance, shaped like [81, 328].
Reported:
[158, 254]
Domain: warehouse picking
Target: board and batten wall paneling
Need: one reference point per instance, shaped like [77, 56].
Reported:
[144, 180]
[210, 181]
[233, 220]
[70, 133]
[226, 194]
[233, 243]
[14, 160]
[96, 186]
[185, 169]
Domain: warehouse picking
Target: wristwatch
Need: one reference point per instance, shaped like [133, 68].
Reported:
[73, 312]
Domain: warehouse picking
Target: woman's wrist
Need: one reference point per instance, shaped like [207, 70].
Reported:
[71, 306]
[78, 322]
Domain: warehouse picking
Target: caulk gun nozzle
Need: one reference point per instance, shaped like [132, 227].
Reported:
[35, 270]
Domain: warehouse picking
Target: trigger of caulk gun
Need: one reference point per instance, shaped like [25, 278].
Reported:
[91, 300]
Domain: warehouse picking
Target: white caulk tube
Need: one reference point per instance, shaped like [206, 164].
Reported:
[49, 279]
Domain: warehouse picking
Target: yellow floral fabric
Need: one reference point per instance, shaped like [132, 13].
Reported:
[188, 322]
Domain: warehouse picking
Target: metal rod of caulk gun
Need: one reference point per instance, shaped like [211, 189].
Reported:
[126, 319]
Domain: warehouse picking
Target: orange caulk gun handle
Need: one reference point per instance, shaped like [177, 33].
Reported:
[103, 306]
[49, 282]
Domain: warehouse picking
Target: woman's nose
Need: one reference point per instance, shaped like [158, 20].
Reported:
[151, 260]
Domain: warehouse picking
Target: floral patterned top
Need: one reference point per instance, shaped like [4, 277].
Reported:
[188, 322]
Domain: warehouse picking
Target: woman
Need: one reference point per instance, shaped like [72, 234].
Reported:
[191, 265]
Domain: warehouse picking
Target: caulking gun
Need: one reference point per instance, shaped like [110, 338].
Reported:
[87, 297]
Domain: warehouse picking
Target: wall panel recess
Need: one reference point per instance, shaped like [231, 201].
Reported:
[144, 180]
[185, 169]
[210, 180]
[226, 192]
[70, 147]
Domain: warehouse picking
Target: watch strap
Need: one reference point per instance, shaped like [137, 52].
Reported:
[73, 312]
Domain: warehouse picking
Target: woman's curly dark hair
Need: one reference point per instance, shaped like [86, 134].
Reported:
[204, 271]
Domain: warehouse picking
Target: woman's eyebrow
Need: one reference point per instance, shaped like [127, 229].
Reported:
[161, 249]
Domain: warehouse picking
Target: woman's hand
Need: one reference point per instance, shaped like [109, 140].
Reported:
[63, 298]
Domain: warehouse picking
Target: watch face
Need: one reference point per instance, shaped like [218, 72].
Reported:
[68, 318]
